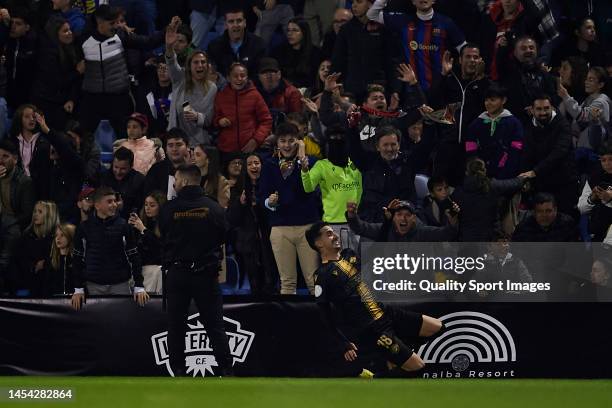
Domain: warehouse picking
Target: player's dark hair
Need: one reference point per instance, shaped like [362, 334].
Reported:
[124, 154]
[543, 198]
[314, 232]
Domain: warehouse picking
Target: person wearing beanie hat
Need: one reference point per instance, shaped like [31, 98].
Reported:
[146, 151]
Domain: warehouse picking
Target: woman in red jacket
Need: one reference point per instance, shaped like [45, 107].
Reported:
[241, 113]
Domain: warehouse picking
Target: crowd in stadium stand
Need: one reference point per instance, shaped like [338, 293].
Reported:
[392, 120]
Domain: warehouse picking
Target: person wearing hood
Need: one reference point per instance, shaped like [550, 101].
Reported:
[241, 114]
[549, 155]
[401, 224]
[496, 137]
[340, 183]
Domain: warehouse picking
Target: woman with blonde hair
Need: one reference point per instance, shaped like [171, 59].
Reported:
[58, 279]
[150, 245]
[34, 248]
[193, 94]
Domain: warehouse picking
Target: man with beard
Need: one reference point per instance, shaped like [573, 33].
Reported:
[525, 78]
[340, 183]
[549, 155]
[387, 330]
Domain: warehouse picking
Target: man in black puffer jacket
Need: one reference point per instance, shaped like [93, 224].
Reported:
[106, 254]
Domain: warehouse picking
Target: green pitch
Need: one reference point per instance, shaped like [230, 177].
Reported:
[133, 392]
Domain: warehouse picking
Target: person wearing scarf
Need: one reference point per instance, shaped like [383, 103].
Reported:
[291, 210]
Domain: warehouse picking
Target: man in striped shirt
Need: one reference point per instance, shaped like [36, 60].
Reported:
[425, 36]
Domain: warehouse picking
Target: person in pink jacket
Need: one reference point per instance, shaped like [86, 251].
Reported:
[146, 151]
[241, 113]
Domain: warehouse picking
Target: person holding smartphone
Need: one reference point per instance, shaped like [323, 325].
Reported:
[596, 198]
[193, 95]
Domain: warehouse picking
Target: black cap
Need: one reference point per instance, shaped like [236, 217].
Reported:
[268, 64]
[404, 205]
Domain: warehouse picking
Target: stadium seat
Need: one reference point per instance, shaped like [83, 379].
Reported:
[105, 137]
[420, 185]
[232, 276]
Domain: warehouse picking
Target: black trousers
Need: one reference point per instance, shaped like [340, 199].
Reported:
[113, 107]
[182, 285]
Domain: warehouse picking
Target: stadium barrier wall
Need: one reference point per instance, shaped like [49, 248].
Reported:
[114, 336]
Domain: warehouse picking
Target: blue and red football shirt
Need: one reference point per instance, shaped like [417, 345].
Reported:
[425, 42]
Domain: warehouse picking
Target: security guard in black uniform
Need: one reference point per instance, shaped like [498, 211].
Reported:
[193, 228]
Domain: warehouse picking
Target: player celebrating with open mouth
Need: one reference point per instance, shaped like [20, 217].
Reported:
[387, 329]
